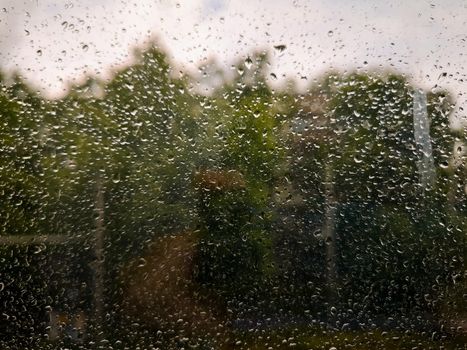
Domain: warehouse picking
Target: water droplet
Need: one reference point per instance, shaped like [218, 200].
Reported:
[443, 75]
[38, 249]
[248, 63]
[39, 52]
[280, 48]
[330, 33]
[142, 262]
[85, 47]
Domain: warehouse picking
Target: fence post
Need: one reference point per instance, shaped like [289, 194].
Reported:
[99, 254]
[329, 233]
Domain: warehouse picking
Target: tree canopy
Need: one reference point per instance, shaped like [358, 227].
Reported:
[248, 170]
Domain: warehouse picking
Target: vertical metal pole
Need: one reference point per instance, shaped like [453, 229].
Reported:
[425, 164]
[99, 253]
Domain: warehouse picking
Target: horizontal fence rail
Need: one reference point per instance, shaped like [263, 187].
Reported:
[39, 239]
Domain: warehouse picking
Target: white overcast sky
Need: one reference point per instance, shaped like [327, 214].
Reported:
[54, 42]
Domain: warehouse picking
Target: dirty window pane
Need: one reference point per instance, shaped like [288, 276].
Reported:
[217, 174]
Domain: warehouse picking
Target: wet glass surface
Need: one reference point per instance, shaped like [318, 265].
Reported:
[233, 175]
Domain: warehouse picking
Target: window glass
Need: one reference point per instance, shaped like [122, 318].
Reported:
[215, 174]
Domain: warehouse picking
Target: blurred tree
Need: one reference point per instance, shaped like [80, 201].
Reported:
[236, 191]
[277, 189]
[355, 132]
[21, 175]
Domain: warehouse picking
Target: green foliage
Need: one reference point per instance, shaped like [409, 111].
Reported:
[22, 179]
[171, 160]
[394, 241]
[235, 251]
